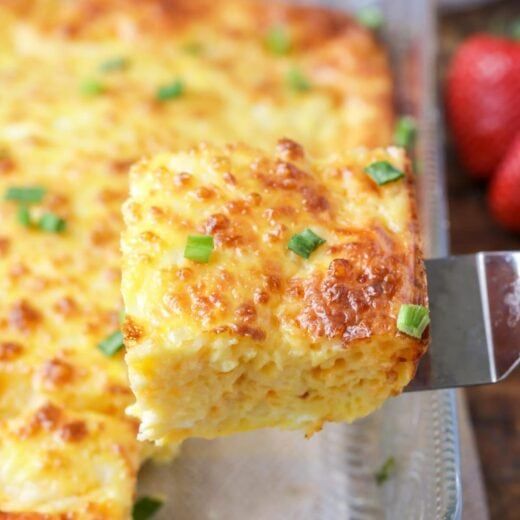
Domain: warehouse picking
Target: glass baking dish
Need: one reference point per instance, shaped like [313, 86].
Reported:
[274, 475]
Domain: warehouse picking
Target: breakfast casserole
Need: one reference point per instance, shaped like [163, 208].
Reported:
[88, 87]
[267, 289]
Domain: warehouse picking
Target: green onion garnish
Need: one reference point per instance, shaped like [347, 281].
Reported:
[145, 508]
[297, 81]
[114, 64]
[304, 243]
[404, 133]
[277, 40]
[111, 344]
[385, 471]
[382, 172]
[28, 195]
[52, 223]
[122, 315]
[170, 91]
[193, 48]
[24, 215]
[413, 320]
[92, 87]
[371, 17]
[198, 248]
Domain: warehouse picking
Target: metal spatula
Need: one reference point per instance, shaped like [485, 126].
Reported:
[475, 321]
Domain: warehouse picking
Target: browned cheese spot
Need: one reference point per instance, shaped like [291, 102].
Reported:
[204, 193]
[66, 306]
[57, 202]
[238, 207]
[47, 417]
[7, 165]
[229, 178]
[57, 372]
[23, 316]
[289, 150]
[132, 332]
[260, 297]
[73, 431]
[121, 166]
[101, 235]
[107, 196]
[10, 350]
[182, 179]
[5, 244]
[251, 332]
[246, 313]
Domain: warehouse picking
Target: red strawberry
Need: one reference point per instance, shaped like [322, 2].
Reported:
[483, 100]
[504, 190]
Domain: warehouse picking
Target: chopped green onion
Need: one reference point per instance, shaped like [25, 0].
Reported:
[145, 507]
[122, 315]
[193, 48]
[114, 64]
[404, 133]
[297, 81]
[198, 248]
[385, 471]
[170, 91]
[52, 223]
[24, 215]
[277, 40]
[304, 243]
[382, 172]
[371, 17]
[28, 194]
[92, 87]
[413, 320]
[111, 344]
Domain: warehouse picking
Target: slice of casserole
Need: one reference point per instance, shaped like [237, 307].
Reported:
[263, 290]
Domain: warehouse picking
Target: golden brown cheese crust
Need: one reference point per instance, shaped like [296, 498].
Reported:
[256, 299]
[370, 264]
[62, 291]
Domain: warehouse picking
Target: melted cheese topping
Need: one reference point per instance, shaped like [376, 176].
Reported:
[259, 336]
[69, 125]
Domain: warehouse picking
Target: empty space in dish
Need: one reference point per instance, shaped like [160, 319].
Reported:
[279, 475]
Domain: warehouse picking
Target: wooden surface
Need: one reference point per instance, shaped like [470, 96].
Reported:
[495, 409]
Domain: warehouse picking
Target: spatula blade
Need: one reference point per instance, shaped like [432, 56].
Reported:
[475, 321]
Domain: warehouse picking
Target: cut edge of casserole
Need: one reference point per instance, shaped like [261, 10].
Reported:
[259, 336]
